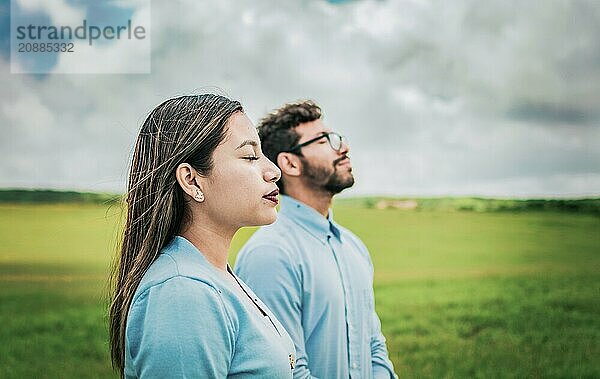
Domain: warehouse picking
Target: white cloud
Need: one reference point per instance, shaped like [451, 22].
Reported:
[122, 55]
[59, 11]
[462, 97]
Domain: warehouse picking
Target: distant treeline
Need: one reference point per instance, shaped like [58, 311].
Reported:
[474, 204]
[53, 196]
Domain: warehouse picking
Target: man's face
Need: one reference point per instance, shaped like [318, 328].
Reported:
[323, 167]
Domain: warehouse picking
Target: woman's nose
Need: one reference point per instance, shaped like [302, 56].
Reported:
[272, 173]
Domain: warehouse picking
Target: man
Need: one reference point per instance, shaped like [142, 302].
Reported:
[315, 275]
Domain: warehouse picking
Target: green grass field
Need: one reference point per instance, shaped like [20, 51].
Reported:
[460, 294]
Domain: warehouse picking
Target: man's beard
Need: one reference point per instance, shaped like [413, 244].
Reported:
[322, 177]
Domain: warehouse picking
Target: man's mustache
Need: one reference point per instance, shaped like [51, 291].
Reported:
[335, 163]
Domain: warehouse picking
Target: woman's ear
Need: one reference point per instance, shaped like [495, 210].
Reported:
[289, 164]
[189, 181]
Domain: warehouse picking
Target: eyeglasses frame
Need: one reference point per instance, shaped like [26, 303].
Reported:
[324, 135]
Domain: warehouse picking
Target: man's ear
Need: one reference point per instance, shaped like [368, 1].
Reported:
[188, 179]
[289, 164]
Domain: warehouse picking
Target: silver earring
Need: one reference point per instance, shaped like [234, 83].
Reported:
[199, 197]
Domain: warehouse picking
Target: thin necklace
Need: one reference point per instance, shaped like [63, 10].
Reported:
[254, 301]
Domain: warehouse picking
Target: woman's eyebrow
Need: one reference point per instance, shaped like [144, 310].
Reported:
[247, 142]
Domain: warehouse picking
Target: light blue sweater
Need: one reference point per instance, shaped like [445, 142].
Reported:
[188, 320]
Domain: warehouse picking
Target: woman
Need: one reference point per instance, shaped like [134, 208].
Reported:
[197, 176]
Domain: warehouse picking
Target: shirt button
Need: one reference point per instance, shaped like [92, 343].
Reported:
[354, 366]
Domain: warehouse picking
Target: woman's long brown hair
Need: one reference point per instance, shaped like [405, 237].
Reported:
[184, 129]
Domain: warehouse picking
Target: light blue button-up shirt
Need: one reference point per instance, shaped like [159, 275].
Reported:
[317, 278]
[188, 320]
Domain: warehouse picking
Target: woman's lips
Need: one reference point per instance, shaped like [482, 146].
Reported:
[272, 196]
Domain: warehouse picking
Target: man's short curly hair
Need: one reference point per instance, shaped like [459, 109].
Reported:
[277, 129]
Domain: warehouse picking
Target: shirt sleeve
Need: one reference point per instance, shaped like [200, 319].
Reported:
[271, 274]
[382, 366]
[177, 329]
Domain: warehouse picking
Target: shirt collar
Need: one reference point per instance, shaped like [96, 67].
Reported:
[191, 261]
[309, 218]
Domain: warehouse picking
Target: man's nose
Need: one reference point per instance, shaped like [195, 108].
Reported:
[345, 149]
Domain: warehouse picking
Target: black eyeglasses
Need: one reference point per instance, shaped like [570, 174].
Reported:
[334, 139]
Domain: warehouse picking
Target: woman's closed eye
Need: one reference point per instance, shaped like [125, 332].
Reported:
[251, 158]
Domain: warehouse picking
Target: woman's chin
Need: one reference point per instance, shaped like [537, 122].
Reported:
[267, 217]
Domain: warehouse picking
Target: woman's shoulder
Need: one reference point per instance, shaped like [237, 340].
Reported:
[182, 286]
[176, 265]
[169, 274]
[179, 318]
[182, 297]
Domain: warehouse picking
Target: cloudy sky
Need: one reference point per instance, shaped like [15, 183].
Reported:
[491, 98]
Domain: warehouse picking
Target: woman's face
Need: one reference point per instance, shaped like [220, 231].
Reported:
[241, 190]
